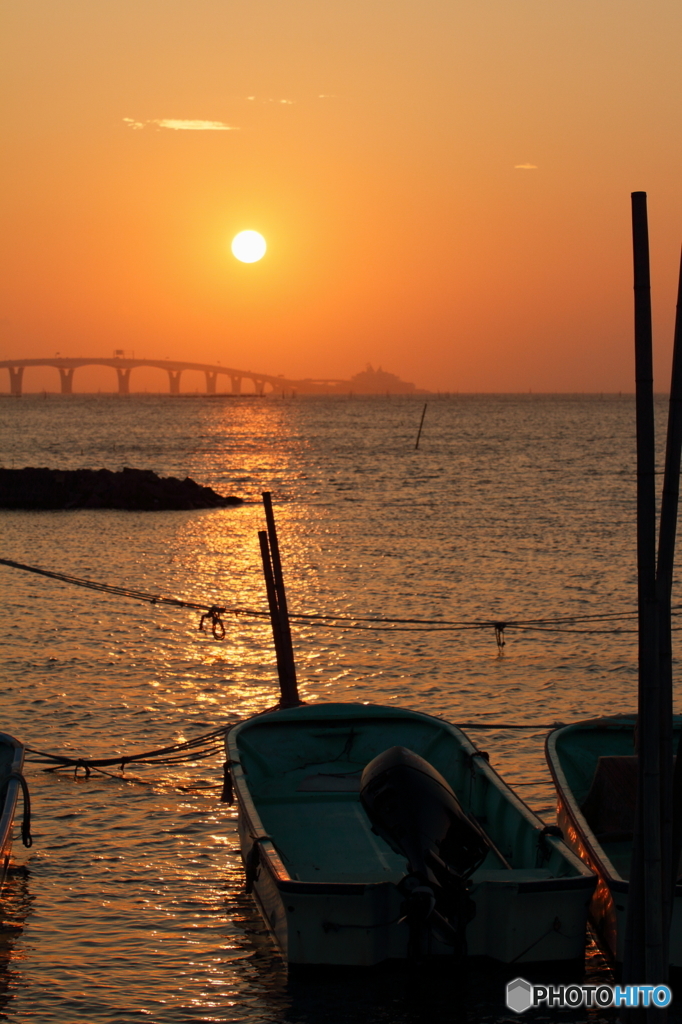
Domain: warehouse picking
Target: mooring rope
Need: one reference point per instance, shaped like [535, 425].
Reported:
[199, 748]
[213, 614]
[109, 588]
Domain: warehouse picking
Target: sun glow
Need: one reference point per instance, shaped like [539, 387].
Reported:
[248, 246]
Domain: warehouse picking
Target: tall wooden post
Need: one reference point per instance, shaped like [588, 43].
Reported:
[644, 955]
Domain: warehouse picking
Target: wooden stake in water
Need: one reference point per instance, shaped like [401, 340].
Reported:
[421, 424]
[279, 613]
[644, 929]
[274, 611]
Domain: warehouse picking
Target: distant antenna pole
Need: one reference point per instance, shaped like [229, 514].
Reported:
[421, 424]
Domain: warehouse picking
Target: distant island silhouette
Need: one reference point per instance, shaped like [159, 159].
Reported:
[378, 382]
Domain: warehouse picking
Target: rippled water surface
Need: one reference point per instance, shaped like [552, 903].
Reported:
[513, 507]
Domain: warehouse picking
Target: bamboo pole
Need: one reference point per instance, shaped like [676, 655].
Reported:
[644, 927]
[666, 550]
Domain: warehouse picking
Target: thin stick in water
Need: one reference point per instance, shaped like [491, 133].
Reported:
[421, 424]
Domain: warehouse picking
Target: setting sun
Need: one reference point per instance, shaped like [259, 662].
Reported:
[248, 246]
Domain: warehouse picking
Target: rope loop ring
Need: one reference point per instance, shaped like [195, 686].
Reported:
[214, 615]
[26, 837]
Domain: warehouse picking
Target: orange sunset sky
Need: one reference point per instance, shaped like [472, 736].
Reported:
[444, 186]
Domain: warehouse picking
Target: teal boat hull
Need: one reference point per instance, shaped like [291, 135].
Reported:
[327, 886]
[593, 766]
[11, 763]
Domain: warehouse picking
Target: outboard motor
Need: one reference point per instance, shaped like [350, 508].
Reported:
[414, 809]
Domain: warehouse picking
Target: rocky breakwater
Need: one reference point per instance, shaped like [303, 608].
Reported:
[139, 490]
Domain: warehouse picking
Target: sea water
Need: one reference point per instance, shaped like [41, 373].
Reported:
[513, 508]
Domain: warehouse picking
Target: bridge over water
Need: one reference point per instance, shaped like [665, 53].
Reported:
[173, 368]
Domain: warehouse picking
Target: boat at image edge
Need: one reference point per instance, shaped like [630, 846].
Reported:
[327, 885]
[594, 768]
[11, 762]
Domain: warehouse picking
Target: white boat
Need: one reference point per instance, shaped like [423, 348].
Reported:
[336, 887]
[594, 767]
[11, 781]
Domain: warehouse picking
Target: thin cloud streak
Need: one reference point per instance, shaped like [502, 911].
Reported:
[525, 167]
[180, 125]
[288, 103]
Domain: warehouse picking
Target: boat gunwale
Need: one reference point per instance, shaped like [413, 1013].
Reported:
[598, 855]
[9, 795]
[257, 832]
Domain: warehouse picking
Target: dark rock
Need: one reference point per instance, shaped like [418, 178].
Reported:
[135, 489]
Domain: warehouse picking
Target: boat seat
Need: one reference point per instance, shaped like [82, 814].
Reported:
[609, 807]
[330, 782]
[507, 875]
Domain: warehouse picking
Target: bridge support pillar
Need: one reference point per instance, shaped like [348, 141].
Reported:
[236, 384]
[123, 379]
[211, 377]
[259, 385]
[66, 375]
[16, 374]
[174, 381]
